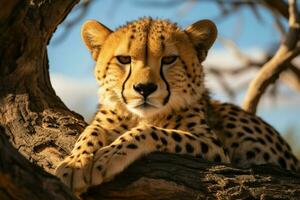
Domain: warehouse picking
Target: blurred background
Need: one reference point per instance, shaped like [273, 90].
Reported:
[249, 34]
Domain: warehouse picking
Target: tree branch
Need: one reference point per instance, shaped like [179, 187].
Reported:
[279, 5]
[289, 49]
[177, 177]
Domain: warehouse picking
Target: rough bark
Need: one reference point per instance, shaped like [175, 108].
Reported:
[168, 176]
[21, 180]
[37, 122]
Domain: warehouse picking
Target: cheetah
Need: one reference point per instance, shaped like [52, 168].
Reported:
[152, 97]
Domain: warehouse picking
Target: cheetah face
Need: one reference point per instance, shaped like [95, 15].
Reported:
[149, 66]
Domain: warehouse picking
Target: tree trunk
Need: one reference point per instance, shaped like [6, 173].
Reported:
[43, 130]
[37, 122]
[21, 180]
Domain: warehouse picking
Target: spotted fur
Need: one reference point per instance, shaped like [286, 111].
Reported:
[153, 98]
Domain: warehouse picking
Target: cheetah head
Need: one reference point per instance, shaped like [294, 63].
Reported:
[149, 66]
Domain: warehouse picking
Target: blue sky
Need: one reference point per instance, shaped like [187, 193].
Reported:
[71, 66]
[114, 13]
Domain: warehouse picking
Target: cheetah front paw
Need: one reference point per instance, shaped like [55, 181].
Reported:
[81, 172]
[108, 162]
[73, 171]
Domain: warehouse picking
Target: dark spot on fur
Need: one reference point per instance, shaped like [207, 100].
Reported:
[260, 140]
[94, 134]
[266, 157]
[103, 112]
[250, 139]
[191, 125]
[164, 132]
[176, 137]
[278, 146]
[235, 145]
[137, 138]
[230, 125]
[217, 158]
[178, 118]
[282, 162]
[269, 138]
[250, 155]
[257, 129]
[233, 113]
[196, 109]
[204, 147]
[154, 136]
[216, 142]
[124, 126]
[254, 120]
[99, 167]
[269, 130]
[132, 146]
[228, 134]
[177, 149]
[287, 155]
[247, 129]
[190, 137]
[189, 148]
[164, 141]
[273, 150]
[240, 134]
[110, 120]
[243, 120]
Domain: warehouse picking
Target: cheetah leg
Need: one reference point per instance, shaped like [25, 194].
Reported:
[93, 138]
[112, 159]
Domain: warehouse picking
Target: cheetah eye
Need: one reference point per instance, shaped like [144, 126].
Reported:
[124, 59]
[168, 60]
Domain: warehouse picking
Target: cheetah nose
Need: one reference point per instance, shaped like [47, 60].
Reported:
[145, 89]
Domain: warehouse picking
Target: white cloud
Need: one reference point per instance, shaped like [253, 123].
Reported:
[78, 94]
[228, 60]
[224, 60]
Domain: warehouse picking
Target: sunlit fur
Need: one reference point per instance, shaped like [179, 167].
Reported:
[161, 38]
[186, 123]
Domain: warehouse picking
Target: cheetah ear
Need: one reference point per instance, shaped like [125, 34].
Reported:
[94, 34]
[203, 34]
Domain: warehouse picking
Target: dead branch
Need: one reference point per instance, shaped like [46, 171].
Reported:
[269, 73]
[279, 6]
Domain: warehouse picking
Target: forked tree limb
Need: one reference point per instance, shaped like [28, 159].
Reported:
[269, 73]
